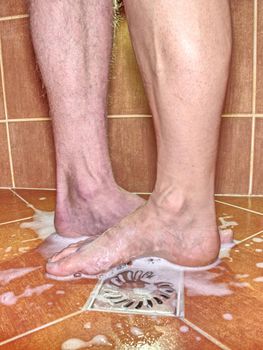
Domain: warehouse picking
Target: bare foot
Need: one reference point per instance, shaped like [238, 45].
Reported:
[90, 213]
[183, 233]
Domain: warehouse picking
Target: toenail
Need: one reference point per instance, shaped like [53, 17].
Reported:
[77, 274]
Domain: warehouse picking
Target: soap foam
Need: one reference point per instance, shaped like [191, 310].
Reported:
[203, 283]
[42, 224]
[76, 344]
[136, 331]
[226, 224]
[8, 275]
[184, 329]
[258, 279]
[9, 298]
[227, 317]
[87, 325]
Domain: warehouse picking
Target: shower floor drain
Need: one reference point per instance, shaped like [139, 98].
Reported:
[150, 286]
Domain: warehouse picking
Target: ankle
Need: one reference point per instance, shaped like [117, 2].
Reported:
[173, 202]
[78, 187]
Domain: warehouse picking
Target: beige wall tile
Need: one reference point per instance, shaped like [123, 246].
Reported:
[12, 7]
[234, 156]
[259, 104]
[126, 92]
[239, 95]
[33, 154]
[258, 158]
[24, 91]
[5, 175]
[133, 153]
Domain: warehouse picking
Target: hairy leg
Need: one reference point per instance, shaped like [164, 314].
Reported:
[183, 49]
[73, 41]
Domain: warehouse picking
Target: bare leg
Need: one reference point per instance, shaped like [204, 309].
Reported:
[73, 40]
[183, 50]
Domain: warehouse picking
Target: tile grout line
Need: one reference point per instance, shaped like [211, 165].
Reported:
[123, 116]
[238, 195]
[29, 188]
[14, 221]
[8, 18]
[21, 335]
[249, 237]
[6, 116]
[236, 206]
[206, 335]
[254, 88]
[22, 199]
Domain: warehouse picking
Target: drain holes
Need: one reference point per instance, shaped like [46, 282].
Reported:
[120, 301]
[133, 289]
[139, 305]
[159, 301]
[164, 296]
[149, 303]
[129, 304]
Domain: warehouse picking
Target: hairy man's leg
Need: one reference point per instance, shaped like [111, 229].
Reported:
[73, 41]
[183, 49]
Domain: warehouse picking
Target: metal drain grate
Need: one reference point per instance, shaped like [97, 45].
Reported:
[138, 289]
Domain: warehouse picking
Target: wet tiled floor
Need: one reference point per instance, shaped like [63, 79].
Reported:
[39, 313]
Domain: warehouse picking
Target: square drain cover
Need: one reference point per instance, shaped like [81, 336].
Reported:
[150, 286]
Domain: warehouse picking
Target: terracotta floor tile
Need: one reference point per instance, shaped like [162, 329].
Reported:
[161, 333]
[61, 297]
[15, 240]
[244, 260]
[210, 313]
[40, 199]
[234, 319]
[245, 222]
[252, 203]
[12, 208]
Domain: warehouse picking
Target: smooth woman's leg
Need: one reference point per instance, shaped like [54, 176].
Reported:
[72, 41]
[183, 49]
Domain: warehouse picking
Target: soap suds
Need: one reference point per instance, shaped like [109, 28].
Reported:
[23, 249]
[42, 224]
[227, 317]
[8, 249]
[8, 275]
[136, 331]
[260, 265]
[203, 283]
[9, 298]
[257, 239]
[60, 292]
[75, 343]
[198, 338]
[42, 198]
[226, 224]
[184, 329]
[240, 284]
[87, 325]
[258, 250]
[245, 275]
[258, 279]
[55, 243]
[225, 250]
